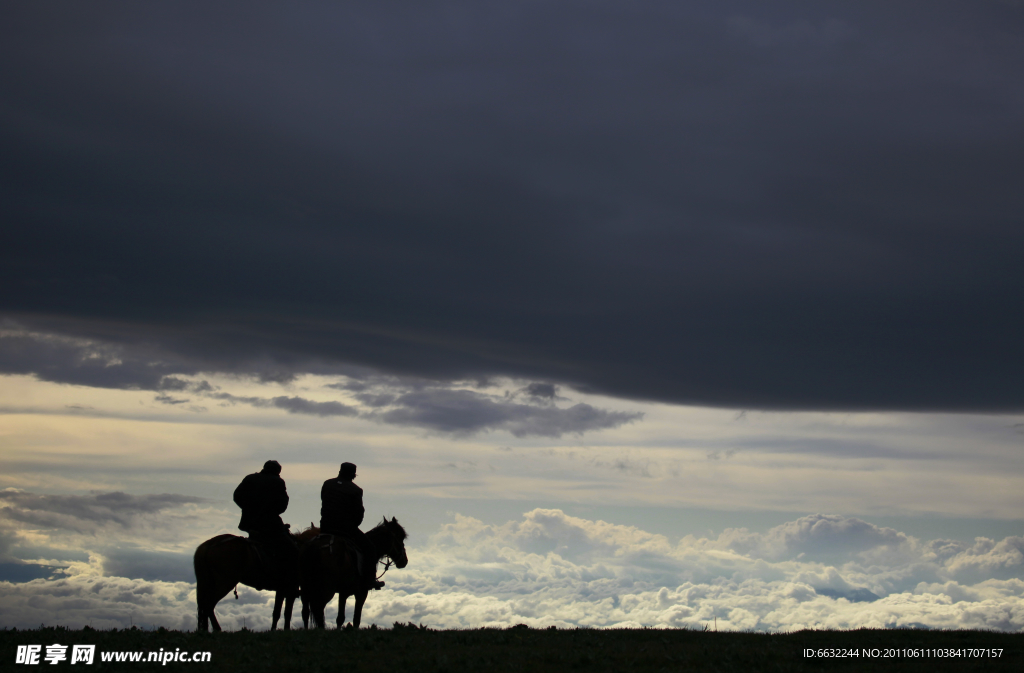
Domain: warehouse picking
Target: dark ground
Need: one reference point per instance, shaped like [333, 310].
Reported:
[407, 648]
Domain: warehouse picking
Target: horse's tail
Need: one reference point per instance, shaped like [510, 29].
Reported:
[201, 568]
[206, 581]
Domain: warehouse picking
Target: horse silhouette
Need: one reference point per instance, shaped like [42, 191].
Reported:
[327, 566]
[225, 561]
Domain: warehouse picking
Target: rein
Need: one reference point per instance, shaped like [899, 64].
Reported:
[387, 564]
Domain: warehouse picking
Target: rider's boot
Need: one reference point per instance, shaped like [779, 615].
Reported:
[373, 583]
[367, 572]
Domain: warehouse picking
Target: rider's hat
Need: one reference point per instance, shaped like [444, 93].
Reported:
[348, 471]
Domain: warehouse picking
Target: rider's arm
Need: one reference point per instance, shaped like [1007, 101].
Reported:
[360, 509]
[281, 501]
[241, 494]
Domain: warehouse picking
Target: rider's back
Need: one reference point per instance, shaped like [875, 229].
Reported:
[262, 497]
[341, 506]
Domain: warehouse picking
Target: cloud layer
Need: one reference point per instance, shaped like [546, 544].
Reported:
[816, 572]
[85, 514]
[548, 568]
[785, 205]
[443, 407]
[451, 409]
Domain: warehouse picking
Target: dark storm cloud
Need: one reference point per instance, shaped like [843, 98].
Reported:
[85, 362]
[167, 399]
[540, 392]
[466, 412]
[299, 405]
[293, 405]
[443, 409]
[759, 205]
[99, 362]
[85, 513]
[399, 400]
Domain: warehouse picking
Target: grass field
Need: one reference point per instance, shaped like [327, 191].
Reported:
[407, 648]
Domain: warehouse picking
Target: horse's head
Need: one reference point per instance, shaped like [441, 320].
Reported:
[397, 546]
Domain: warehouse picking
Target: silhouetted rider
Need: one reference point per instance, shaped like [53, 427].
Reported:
[341, 512]
[263, 498]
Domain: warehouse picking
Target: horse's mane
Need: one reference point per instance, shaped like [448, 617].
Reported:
[392, 524]
[306, 534]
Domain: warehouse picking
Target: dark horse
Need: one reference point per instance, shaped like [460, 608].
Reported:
[327, 566]
[225, 561]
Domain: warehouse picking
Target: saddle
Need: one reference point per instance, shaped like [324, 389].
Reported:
[271, 562]
[268, 565]
[330, 540]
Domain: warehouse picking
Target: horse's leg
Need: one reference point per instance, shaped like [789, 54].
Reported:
[278, 597]
[288, 604]
[201, 609]
[342, 600]
[318, 614]
[305, 610]
[357, 611]
[199, 563]
[207, 598]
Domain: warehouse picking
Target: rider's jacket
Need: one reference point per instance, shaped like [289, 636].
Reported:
[263, 497]
[341, 506]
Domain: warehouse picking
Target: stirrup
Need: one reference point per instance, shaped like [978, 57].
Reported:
[376, 585]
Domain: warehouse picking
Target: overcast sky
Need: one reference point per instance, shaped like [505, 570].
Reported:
[724, 293]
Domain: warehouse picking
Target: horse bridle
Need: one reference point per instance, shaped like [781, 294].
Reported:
[389, 562]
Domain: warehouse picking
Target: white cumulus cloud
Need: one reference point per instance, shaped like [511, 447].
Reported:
[549, 568]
